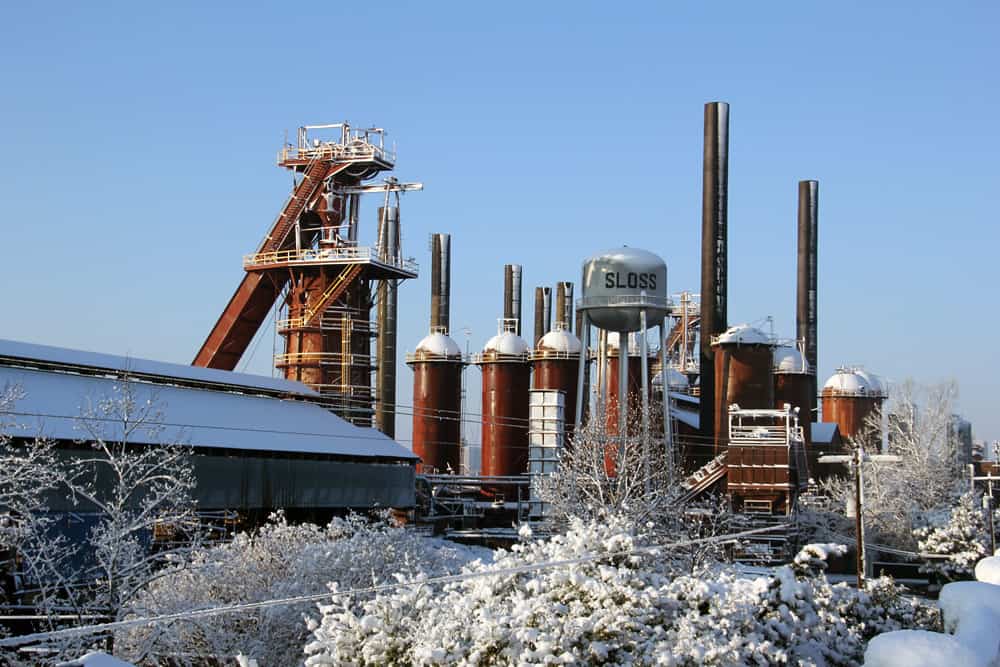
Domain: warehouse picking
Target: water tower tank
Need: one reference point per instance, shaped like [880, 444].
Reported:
[619, 283]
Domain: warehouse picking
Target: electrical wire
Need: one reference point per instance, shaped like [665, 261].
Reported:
[98, 628]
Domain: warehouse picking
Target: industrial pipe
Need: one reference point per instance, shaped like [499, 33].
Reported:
[441, 282]
[385, 374]
[806, 311]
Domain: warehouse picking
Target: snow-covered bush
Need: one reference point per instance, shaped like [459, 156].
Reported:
[963, 538]
[614, 605]
[280, 560]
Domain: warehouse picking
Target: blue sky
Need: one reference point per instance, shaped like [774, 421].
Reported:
[139, 147]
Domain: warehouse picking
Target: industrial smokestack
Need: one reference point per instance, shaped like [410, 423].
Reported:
[546, 310]
[714, 212]
[385, 374]
[441, 282]
[539, 315]
[806, 311]
[512, 294]
[564, 301]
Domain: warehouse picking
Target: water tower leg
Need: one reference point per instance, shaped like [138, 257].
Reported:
[644, 351]
[668, 436]
[584, 343]
[622, 395]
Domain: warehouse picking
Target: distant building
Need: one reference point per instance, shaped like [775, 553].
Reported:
[960, 434]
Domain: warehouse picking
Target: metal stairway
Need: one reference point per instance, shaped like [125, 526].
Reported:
[703, 478]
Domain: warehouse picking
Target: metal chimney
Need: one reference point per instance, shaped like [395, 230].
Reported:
[564, 304]
[806, 310]
[441, 282]
[385, 374]
[540, 329]
[512, 294]
[714, 213]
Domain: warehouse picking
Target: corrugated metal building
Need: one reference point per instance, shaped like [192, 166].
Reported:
[259, 443]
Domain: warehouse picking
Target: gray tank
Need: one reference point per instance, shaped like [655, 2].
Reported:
[619, 283]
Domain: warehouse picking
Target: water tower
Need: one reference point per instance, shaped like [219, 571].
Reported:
[624, 290]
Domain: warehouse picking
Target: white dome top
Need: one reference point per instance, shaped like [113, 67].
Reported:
[743, 334]
[506, 342]
[559, 341]
[854, 382]
[676, 380]
[789, 360]
[874, 384]
[438, 345]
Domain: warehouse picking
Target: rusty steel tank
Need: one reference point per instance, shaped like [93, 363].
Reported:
[437, 402]
[850, 396]
[743, 358]
[506, 382]
[437, 375]
[793, 382]
[634, 360]
[555, 364]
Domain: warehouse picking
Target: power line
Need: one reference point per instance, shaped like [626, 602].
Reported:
[98, 628]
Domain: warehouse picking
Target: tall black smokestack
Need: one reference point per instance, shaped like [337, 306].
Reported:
[539, 315]
[806, 311]
[714, 207]
[441, 281]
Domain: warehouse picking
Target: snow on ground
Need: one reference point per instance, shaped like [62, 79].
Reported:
[920, 648]
[971, 613]
[988, 570]
[97, 659]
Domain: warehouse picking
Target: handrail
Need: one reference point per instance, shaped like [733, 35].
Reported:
[355, 151]
[537, 355]
[658, 302]
[321, 357]
[490, 357]
[341, 254]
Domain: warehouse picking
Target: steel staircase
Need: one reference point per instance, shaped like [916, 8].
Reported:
[703, 478]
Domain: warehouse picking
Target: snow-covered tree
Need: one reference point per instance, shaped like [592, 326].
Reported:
[280, 560]
[963, 540]
[615, 604]
[927, 480]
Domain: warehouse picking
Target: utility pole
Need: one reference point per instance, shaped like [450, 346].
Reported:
[856, 459]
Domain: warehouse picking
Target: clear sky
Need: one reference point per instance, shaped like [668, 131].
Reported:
[139, 143]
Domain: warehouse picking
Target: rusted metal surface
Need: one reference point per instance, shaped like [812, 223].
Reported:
[559, 374]
[742, 376]
[807, 307]
[242, 317]
[385, 376]
[795, 389]
[611, 413]
[437, 403]
[714, 235]
[441, 281]
[849, 412]
[505, 418]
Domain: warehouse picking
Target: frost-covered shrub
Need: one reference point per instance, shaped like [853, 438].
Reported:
[278, 561]
[963, 538]
[614, 607]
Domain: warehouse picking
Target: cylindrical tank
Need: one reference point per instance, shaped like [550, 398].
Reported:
[556, 363]
[634, 360]
[743, 360]
[506, 382]
[437, 402]
[793, 385]
[849, 397]
[619, 283]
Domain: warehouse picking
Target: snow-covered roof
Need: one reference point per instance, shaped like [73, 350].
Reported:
[675, 379]
[506, 342]
[559, 340]
[789, 360]
[823, 432]
[742, 334]
[53, 400]
[854, 382]
[17, 353]
[438, 345]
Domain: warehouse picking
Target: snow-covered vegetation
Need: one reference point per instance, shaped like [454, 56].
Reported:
[276, 562]
[615, 604]
[961, 541]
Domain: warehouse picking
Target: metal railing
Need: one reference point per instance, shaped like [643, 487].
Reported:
[322, 358]
[489, 357]
[624, 300]
[341, 255]
[356, 150]
[535, 355]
